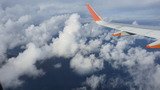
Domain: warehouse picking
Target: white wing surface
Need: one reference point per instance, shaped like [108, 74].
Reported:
[127, 29]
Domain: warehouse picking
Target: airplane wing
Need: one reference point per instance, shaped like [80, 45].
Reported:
[127, 29]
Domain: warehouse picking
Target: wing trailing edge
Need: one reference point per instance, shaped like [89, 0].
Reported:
[121, 33]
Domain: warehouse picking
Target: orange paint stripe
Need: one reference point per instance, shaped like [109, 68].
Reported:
[118, 34]
[155, 46]
[93, 13]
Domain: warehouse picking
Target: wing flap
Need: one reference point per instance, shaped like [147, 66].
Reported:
[139, 31]
[121, 33]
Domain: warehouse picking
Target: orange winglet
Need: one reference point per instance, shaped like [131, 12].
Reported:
[155, 46]
[93, 13]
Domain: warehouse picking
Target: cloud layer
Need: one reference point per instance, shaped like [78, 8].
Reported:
[23, 64]
[51, 30]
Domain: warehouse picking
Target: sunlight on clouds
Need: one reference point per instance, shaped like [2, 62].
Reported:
[85, 65]
[46, 33]
[22, 64]
[66, 44]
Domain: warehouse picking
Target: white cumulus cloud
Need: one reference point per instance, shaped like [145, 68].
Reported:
[85, 64]
[95, 81]
[66, 44]
[23, 64]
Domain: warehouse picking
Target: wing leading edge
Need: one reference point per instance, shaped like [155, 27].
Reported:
[126, 29]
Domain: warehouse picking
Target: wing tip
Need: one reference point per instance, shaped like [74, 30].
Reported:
[153, 47]
[94, 15]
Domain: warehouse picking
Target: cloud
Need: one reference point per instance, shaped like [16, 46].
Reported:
[135, 23]
[139, 62]
[66, 44]
[91, 46]
[81, 88]
[21, 32]
[133, 55]
[36, 25]
[24, 33]
[128, 3]
[12, 29]
[23, 64]
[43, 9]
[58, 65]
[43, 33]
[36, 38]
[85, 65]
[95, 81]
[83, 46]
[154, 78]
[116, 82]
